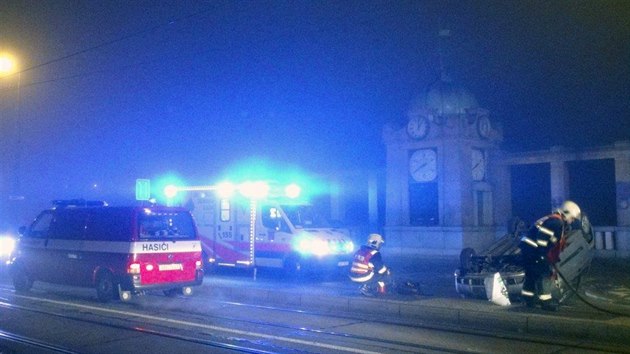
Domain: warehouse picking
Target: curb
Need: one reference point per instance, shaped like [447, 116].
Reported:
[462, 314]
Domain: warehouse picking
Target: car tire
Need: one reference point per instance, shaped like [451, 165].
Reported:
[22, 282]
[105, 287]
[465, 259]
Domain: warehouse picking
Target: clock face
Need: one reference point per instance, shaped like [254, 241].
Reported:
[423, 165]
[418, 127]
[483, 126]
[478, 165]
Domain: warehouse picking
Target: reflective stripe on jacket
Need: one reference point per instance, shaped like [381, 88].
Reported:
[362, 268]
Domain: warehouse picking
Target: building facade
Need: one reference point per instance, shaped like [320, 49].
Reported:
[448, 185]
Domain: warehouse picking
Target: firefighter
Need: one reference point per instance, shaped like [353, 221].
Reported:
[368, 267]
[540, 250]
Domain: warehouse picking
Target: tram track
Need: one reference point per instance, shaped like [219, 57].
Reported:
[168, 332]
[17, 338]
[173, 315]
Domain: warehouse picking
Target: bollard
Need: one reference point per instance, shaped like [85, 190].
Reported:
[599, 240]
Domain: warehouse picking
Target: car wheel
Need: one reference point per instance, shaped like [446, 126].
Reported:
[105, 287]
[465, 259]
[21, 281]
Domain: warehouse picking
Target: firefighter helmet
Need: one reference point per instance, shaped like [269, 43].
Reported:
[570, 210]
[375, 241]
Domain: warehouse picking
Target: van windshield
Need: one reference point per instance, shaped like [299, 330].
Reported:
[165, 225]
[304, 216]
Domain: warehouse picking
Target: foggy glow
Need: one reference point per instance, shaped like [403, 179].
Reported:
[170, 191]
[8, 65]
[225, 190]
[292, 191]
[255, 190]
[7, 245]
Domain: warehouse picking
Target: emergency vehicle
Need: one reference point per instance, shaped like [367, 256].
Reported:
[119, 251]
[257, 224]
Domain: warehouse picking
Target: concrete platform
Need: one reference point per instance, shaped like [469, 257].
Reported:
[606, 319]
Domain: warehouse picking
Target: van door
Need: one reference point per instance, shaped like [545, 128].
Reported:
[205, 212]
[273, 237]
[66, 246]
[32, 254]
[108, 233]
[242, 233]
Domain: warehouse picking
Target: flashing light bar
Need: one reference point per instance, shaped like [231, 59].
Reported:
[252, 190]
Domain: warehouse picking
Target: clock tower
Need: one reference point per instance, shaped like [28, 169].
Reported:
[440, 179]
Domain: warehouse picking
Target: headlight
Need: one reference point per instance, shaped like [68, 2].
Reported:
[314, 246]
[7, 245]
[322, 247]
[348, 247]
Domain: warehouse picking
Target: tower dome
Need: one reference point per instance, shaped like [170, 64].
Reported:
[445, 98]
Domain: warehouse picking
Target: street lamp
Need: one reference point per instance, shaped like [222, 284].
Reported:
[8, 64]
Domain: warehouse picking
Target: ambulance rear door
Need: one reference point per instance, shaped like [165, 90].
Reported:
[234, 233]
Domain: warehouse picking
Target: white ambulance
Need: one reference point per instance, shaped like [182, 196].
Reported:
[255, 224]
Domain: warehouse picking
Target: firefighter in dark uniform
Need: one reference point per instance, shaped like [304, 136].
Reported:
[368, 267]
[540, 250]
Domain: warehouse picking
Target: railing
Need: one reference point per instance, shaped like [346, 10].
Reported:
[605, 238]
[612, 241]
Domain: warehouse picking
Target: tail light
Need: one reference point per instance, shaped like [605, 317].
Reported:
[134, 268]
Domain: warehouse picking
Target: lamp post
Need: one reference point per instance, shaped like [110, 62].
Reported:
[8, 68]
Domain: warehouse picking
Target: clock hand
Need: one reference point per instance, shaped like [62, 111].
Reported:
[420, 167]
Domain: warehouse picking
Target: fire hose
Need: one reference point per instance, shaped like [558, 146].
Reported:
[583, 299]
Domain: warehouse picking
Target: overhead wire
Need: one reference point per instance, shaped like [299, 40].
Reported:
[110, 42]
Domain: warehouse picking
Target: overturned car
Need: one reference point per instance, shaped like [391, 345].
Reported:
[504, 257]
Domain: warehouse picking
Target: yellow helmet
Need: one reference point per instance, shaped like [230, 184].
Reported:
[375, 241]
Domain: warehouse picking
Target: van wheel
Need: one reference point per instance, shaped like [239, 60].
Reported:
[208, 268]
[172, 292]
[187, 291]
[292, 266]
[21, 281]
[105, 289]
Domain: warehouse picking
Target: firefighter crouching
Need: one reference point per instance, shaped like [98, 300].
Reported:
[368, 267]
[540, 250]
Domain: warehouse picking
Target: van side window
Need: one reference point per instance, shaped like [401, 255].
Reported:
[110, 224]
[69, 224]
[225, 210]
[155, 225]
[41, 225]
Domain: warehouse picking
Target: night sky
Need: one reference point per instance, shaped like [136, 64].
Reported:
[111, 91]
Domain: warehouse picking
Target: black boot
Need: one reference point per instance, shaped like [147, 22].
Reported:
[550, 305]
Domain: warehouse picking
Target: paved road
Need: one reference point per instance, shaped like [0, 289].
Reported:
[440, 305]
[607, 286]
